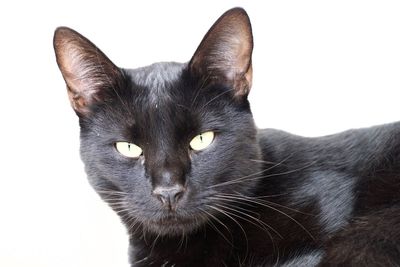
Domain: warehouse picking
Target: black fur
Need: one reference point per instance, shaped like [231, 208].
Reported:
[253, 197]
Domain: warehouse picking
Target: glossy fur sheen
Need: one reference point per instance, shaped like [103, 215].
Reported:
[253, 197]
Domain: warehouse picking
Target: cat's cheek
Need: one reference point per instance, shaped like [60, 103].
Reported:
[126, 173]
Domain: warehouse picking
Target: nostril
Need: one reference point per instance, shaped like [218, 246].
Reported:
[163, 199]
[169, 195]
[178, 196]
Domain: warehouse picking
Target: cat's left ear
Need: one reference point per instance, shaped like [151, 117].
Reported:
[224, 55]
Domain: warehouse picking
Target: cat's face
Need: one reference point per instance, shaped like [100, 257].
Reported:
[162, 143]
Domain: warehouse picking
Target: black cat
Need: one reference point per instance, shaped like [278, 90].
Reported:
[174, 151]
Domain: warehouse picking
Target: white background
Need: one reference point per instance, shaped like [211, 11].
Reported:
[319, 67]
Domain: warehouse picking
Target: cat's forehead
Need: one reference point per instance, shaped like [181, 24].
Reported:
[158, 75]
[156, 94]
[157, 80]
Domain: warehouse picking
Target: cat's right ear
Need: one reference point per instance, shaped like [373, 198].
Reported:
[90, 76]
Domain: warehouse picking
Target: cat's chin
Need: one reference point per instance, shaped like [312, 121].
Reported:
[173, 226]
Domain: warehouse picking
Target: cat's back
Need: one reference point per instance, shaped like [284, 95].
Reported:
[348, 174]
[348, 184]
[359, 150]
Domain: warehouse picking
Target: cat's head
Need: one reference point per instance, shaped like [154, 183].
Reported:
[161, 144]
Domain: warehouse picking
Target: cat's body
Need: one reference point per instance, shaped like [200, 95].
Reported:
[174, 151]
[333, 201]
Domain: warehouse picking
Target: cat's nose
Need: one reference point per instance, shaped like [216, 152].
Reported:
[169, 195]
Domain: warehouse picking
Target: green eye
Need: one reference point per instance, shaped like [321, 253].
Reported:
[202, 141]
[128, 149]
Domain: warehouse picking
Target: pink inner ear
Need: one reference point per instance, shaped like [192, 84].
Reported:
[224, 55]
[86, 70]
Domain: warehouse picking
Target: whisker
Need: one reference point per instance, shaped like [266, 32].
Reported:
[291, 171]
[259, 223]
[216, 228]
[154, 244]
[264, 161]
[141, 260]
[247, 177]
[279, 211]
[235, 201]
[230, 217]
[122, 212]
[262, 199]
[199, 90]
[181, 241]
[216, 97]
[111, 192]
[132, 225]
